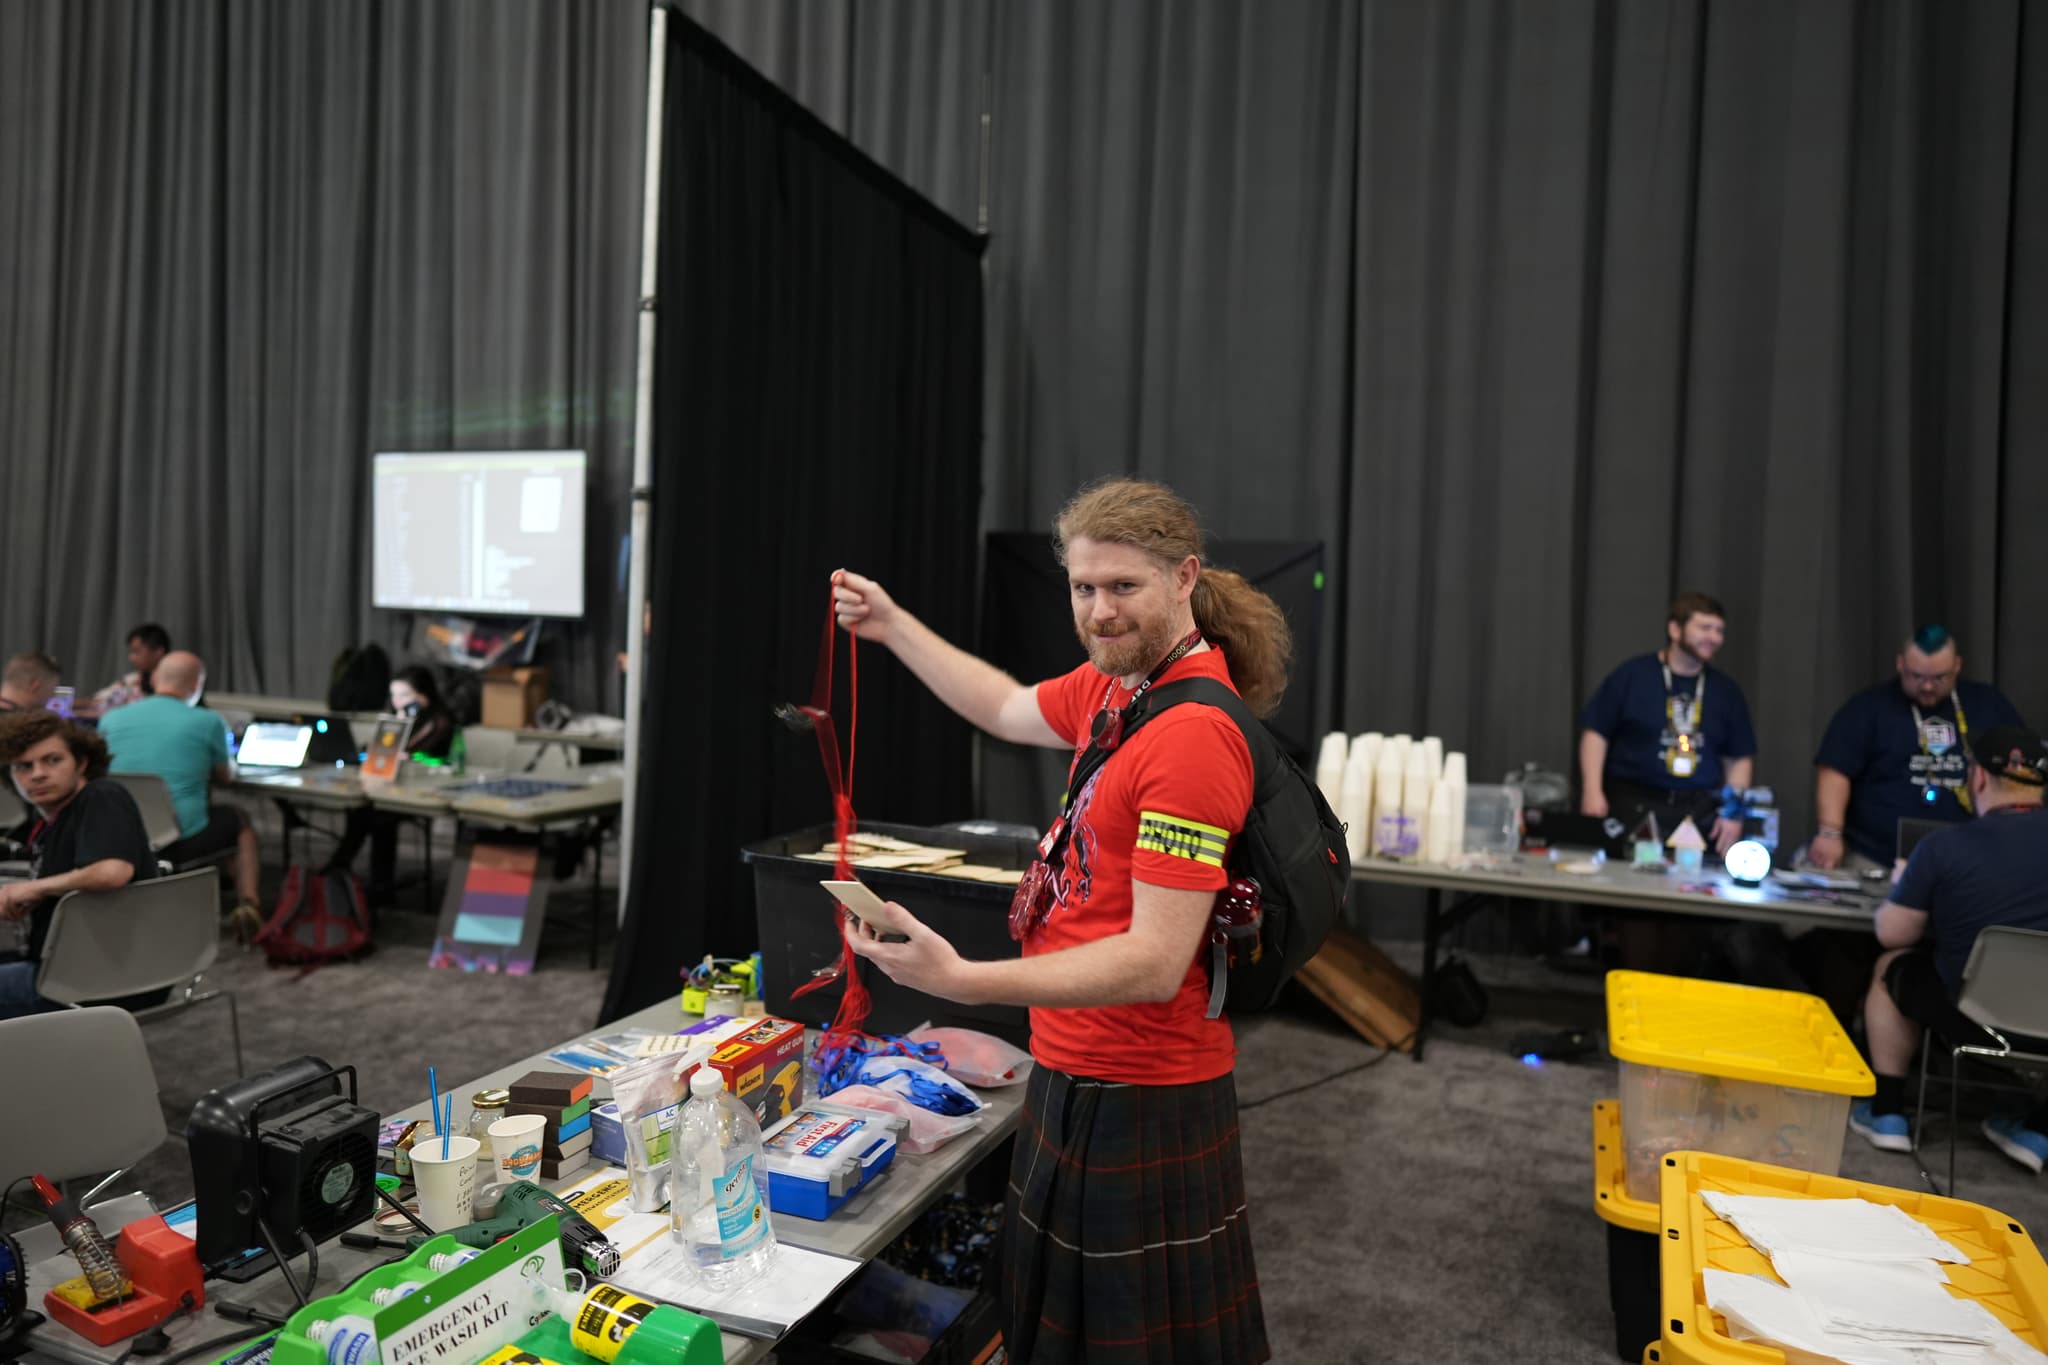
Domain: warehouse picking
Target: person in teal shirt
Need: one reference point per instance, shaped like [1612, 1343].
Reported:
[169, 735]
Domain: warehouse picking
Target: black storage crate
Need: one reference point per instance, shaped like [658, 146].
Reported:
[1633, 1290]
[799, 926]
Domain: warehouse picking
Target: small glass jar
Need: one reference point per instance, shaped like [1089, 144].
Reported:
[486, 1107]
[726, 998]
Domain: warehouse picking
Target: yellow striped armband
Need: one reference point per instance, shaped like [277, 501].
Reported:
[1180, 838]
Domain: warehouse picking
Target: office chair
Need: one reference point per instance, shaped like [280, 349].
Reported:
[90, 1066]
[145, 936]
[2002, 994]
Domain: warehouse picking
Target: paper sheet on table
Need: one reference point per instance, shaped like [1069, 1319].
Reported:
[1853, 1229]
[605, 1197]
[796, 1281]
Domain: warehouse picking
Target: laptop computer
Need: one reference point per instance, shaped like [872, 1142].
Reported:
[274, 744]
[1912, 831]
[333, 741]
[1566, 829]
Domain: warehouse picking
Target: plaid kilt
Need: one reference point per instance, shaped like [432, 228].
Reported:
[1125, 1232]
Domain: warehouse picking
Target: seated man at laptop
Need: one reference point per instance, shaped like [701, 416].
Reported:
[187, 747]
[1895, 751]
[88, 836]
[29, 682]
[1958, 882]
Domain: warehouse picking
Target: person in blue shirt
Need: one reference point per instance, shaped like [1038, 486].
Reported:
[169, 735]
[1666, 732]
[1989, 871]
[1895, 751]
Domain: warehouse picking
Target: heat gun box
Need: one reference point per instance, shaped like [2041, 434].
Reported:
[764, 1068]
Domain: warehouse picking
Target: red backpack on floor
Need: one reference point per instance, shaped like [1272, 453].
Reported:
[320, 917]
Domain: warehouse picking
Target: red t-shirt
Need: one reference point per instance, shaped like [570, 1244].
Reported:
[1162, 809]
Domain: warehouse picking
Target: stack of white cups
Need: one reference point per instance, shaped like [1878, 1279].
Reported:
[1398, 797]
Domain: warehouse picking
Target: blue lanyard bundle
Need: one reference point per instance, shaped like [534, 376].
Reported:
[838, 1064]
[926, 1093]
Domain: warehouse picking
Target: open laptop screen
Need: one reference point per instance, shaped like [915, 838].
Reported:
[1912, 831]
[272, 745]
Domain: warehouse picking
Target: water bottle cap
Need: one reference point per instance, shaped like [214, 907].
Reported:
[705, 1081]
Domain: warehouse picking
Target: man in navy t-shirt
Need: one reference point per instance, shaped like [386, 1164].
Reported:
[1990, 871]
[1896, 751]
[1666, 732]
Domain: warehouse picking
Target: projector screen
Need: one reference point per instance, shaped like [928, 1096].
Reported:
[479, 531]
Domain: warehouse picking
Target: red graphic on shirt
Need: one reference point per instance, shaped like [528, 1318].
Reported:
[1077, 874]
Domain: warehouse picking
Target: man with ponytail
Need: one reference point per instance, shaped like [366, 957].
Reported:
[1127, 1236]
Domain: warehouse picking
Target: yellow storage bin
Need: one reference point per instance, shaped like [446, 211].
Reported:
[2006, 1273]
[1739, 1070]
[1611, 1198]
[1632, 1287]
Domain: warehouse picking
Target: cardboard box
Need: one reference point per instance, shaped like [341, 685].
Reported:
[764, 1068]
[512, 695]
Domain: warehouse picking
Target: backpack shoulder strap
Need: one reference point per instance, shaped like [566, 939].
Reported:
[1266, 765]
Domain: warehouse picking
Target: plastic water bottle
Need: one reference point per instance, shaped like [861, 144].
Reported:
[348, 1340]
[458, 754]
[718, 1186]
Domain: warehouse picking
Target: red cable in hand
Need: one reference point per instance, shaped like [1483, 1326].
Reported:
[854, 1004]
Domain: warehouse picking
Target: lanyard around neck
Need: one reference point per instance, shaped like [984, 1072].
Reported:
[1961, 790]
[1698, 706]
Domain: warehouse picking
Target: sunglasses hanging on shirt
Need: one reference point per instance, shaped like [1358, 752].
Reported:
[1108, 730]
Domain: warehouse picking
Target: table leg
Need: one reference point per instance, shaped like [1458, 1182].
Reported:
[596, 890]
[1432, 918]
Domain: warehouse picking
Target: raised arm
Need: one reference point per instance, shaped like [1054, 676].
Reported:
[979, 691]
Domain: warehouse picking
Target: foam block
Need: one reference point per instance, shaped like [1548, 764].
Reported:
[555, 1114]
[559, 1088]
[562, 1149]
[564, 1167]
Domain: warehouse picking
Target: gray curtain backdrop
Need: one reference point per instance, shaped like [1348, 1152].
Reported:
[243, 245]
[1537, 313]
[1534, 312]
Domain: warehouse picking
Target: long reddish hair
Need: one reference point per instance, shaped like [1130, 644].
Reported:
[1236, 617]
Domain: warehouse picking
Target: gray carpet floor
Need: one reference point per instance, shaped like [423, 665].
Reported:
[1401, 1212]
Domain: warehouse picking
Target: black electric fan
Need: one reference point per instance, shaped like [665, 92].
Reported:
[279, 1160]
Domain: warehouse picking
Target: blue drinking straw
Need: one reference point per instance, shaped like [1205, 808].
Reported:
[434, 1089]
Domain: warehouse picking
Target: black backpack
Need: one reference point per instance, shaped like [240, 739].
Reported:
[360, 679]
[1292, 845]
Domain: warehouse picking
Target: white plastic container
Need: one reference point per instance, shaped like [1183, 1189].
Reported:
[1493, 819]
[718, 1186]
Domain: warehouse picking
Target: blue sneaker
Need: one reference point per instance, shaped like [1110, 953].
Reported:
[1886, 1132]
[2018, 1141]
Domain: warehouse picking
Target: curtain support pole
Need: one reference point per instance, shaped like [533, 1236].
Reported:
[643, 441]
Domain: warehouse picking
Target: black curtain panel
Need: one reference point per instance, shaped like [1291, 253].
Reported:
[818, 381]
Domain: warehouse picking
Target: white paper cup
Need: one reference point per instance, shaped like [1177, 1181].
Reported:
[515, 1144]
[447, 1185]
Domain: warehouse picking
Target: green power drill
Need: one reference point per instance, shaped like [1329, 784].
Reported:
[524, 1204]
